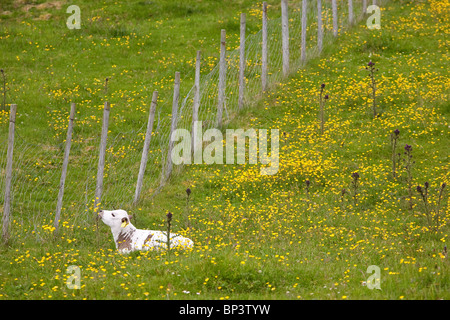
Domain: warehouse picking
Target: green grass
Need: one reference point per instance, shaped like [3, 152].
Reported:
[256, 237]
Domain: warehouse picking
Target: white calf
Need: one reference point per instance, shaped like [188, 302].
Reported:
[128, 238]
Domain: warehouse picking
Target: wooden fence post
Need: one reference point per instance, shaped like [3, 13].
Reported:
[101, 158]
[264, 48]
[285, 36]
[148, 138]
[196, 105]
[364, 7]
[176, 98]
[350, 12]
[335, 17]
[304, 24]
[242, 62]
[319, 26]
[222, 78]
[9, 161]
[62, 181]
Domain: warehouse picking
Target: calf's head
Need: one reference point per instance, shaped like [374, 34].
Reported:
[116, 219]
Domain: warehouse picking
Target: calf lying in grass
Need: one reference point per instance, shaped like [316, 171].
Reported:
[128, 238]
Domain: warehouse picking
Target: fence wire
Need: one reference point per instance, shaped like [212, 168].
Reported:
[37, 167]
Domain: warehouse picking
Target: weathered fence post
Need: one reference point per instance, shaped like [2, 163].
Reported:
[285, 36]
[9, 161]
[222, 78]
[335, 17]
[242, 63]
[148, 138]
[264, 48]
[364, 7]
[304, 24]
[350, 12]
[62, 181]
[196, 105]
[176, 98]
[319, 26]
[101, 158]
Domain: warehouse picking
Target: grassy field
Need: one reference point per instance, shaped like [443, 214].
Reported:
[309, 232]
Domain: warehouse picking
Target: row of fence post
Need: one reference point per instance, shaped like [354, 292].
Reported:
[221, 104]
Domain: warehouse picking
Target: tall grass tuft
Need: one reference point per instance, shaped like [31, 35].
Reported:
[169, 224]
[408, 165]
[429, 208]
[355, 185]
[394, 155]
[321, 108]
[371, 68]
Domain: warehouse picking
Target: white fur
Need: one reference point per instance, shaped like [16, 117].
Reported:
[128, 238]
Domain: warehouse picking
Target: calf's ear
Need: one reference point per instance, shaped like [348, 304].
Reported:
[124, 222]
